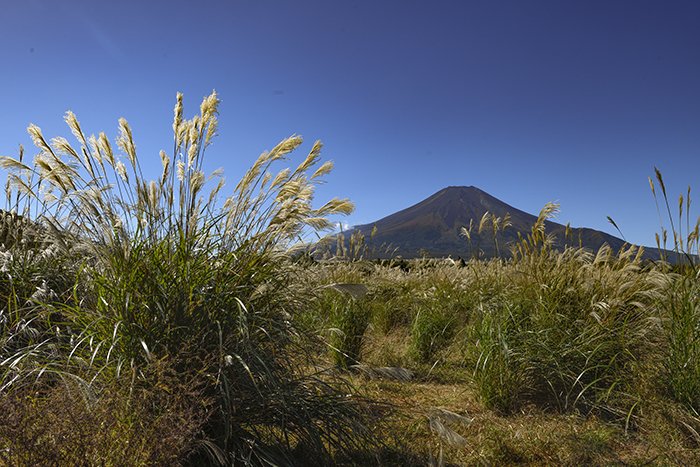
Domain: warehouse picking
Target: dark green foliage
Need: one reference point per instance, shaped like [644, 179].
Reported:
[681, 306]
[349, 318]
[567, 334]
[393, 306]
[432, 329]
[499, 375]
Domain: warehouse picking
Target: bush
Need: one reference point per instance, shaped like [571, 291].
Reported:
[165, 269]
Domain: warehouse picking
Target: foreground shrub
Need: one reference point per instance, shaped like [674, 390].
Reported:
[168, 270]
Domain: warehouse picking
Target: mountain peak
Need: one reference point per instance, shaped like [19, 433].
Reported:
[461, 189]
[434, 225]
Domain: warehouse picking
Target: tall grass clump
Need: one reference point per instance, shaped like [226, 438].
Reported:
[569, 331]
[443, 306]
[432, 329]
[394, 298]
[681, 311]
[349, 318]
[679, 308]
[169, 268]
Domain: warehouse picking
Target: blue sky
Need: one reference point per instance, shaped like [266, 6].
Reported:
[532, 101]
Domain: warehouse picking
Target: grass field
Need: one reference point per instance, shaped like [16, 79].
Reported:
[568, 360]
[178, 321]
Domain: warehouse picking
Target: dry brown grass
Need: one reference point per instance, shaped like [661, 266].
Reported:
[153, 421]
[529, 437]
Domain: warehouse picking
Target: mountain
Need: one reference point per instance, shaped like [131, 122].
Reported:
[433, 226]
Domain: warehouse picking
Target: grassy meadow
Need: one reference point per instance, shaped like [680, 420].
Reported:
[181, 321]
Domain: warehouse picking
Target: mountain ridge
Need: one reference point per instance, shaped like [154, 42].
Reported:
[432, 226]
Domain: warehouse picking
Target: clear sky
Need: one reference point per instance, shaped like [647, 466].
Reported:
[531, 101]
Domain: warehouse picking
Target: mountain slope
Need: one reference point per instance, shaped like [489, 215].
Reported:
[433, 227]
